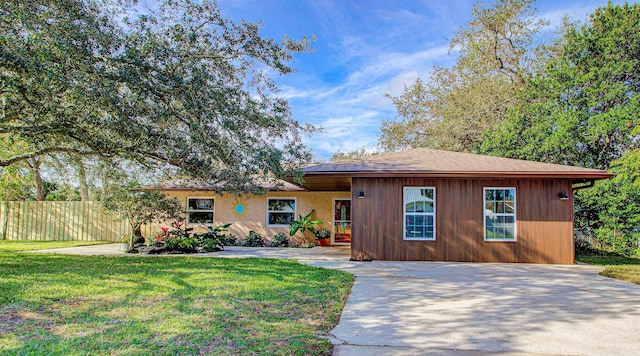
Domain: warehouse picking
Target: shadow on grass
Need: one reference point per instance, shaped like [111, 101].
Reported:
[604, 258]
[166, 304]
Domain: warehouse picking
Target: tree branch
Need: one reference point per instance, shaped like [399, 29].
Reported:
[28, 155]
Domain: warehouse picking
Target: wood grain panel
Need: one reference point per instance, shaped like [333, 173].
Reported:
[544, 222]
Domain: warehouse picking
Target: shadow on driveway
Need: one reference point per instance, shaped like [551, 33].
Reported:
[461, 308]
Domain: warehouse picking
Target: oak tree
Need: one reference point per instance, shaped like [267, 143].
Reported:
[180, 85]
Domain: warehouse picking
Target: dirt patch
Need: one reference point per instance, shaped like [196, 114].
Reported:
[13, 317]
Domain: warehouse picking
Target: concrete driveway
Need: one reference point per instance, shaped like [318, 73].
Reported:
[408, 308]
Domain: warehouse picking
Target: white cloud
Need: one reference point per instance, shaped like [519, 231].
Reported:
[345, 126]
[396, 85]
[367, 49]
[351, 112]
[345, 133]
[556, 16]
[393, 63]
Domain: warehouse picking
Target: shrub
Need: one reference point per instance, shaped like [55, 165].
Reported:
[323, 234]
[254, 240]
[212, 240]
[212, 245]
[181, 244]
[179, 239]
[280, 240]
[305, 245]
[229, 240]
[182, 239]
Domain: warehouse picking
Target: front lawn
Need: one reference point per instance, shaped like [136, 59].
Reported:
[629, 273]
[616, 266]
[58, 304]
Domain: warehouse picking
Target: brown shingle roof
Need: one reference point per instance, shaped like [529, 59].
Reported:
[426, 162]
[200, 184]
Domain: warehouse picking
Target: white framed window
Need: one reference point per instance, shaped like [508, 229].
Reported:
[200, 210]
[419, 204]
[500, 214]
[280, 211]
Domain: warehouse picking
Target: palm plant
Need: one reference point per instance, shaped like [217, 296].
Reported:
[304, 224]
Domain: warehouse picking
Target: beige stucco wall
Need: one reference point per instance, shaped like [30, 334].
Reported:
[255, 214]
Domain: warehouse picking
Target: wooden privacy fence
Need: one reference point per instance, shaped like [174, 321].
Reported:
[59, 221]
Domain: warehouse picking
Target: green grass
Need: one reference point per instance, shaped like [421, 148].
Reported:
[629, 273]
[72, 305]
[616, 266]
[17, 246]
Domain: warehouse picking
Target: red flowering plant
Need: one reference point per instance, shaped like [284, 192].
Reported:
[180, 229]
[166, 234]
[179, 239]
[160, 236]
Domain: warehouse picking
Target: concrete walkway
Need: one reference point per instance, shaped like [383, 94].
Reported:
[408, 308]
[90, 250]
[305, 255]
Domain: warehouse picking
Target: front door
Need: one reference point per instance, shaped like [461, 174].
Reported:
[341, 221]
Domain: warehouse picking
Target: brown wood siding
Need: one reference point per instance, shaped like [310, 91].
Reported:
[544, 228]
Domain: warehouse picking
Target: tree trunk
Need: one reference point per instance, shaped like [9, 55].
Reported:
[34, 166]
[136, 233]
[82, 178]
[106, 180]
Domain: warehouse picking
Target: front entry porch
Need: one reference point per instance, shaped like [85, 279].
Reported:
[341, 234]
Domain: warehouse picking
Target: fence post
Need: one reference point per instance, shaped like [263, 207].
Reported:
[5, 218]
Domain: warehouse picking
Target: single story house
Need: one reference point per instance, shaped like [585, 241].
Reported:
[421, 205]
[266, 214]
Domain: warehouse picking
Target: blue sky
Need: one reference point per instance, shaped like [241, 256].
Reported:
[363, 50]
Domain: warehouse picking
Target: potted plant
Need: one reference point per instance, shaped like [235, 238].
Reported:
[322, 236]
[304, 224]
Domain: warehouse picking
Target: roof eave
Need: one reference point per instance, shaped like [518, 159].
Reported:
[203, 189]
[465, 174]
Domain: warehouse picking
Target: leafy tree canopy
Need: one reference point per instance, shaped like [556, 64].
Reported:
[140, 207]
[16, 180]
[181, 85]
[583, 109]
[456, 105]
[338, 156]
[610, 211]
